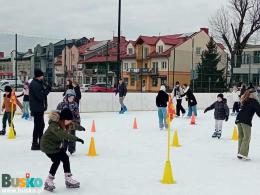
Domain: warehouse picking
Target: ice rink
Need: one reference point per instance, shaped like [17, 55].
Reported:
[131, 162]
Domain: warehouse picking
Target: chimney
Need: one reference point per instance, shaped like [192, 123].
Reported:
[2, 55]
[206, 30]
[30, 51]
[92, 39]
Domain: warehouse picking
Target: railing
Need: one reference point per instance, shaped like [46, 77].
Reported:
[144, 71]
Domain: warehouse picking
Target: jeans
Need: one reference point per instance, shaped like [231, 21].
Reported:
[7, 116]
[56, 158]
[218, 125]
[121, 101]
[26, 109]
[162, 114]
[179, 107]
[38, 126]
[244, 137]
[192, 109]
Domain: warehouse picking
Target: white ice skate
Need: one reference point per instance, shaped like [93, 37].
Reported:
[70, 182]
[242, 157]
[49, 184]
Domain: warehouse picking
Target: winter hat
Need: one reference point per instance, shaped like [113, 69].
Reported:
[38, 73]
[221, 96]
[66, 114]
[70, 92]
[163, 88]
[8, 89]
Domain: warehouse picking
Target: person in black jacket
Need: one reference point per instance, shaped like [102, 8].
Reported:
[250, 106]
[161, 102]
[177, 92]
[192, 102]
[122, 90]
[38, 92]
[221, 113]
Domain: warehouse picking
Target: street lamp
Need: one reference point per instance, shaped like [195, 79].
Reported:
[118, 41]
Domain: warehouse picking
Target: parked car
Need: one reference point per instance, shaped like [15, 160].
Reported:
[84, 87]
[101, 87]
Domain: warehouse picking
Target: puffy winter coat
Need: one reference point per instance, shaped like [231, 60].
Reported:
[221, 110]
[190, 97]
[73, 106]
[122, 90]
[247, 111]
[162, 99]
[53, 138]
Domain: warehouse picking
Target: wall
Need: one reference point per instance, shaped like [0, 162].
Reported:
[108, 102]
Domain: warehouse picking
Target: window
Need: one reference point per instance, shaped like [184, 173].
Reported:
[155, 65]
[145, 52]
[256, 57]
[132, 81]
[155, 82]
[130, 51]
[125, 66]
[163, 65]
[160, 48]
[164, 81]
[126, 81]
[198, 51]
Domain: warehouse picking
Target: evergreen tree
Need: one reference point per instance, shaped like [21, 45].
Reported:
[208, 74]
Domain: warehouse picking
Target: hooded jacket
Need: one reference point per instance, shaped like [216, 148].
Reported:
[53, 138]
[162, 99]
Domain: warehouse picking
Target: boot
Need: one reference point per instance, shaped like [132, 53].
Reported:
[35, 146]
[124, 109]
[49, 184]
[121, 111]
[219, 134]
[215, 134]
[70, 182]
[3, 132]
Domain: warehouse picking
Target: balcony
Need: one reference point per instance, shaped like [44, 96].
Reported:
[143, 71]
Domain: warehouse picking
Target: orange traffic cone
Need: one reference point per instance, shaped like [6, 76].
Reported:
[92, 149]
[93, 128]
[192, 122]
[135, 124]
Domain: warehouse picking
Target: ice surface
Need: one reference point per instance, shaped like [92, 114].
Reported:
[131, 162]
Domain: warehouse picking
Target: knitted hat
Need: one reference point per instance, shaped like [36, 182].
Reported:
[66, 114]
[38, 73]
[70, 92]
[8, 89]
[221, 96]
[163, 88]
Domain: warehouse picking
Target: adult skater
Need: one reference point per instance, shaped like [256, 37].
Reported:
[161, 103]
[122, 90]
[249, 106]
[177, 92]
[38, 92]
[192, 102]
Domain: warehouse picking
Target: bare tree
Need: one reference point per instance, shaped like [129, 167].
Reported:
[234, 25]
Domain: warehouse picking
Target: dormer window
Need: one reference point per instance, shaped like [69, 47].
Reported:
[130, 51]
[160, 49]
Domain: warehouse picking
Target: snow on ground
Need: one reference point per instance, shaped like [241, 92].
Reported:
[131, 162]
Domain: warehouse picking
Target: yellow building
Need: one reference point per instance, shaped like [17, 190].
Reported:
[153, 61]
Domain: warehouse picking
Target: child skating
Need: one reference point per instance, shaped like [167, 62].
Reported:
[52, 145]
[70, 103]
[221, 113]
[7, 108]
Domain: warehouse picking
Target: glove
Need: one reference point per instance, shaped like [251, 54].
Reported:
[83, 129]
[205, 111]
[226, 119]
[80, 140]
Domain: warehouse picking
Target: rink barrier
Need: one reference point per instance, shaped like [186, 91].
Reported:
[108, 102]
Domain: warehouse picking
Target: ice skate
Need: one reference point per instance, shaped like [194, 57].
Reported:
[70, 182]
[215, 134]
[3, 132]
[219, 134]
[49, 184]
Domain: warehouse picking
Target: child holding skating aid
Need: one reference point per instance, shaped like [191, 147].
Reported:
[221, 113]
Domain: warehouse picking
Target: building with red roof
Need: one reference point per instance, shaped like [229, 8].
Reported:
[158, 60]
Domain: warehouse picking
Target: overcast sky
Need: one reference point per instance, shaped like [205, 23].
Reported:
[98, 18]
